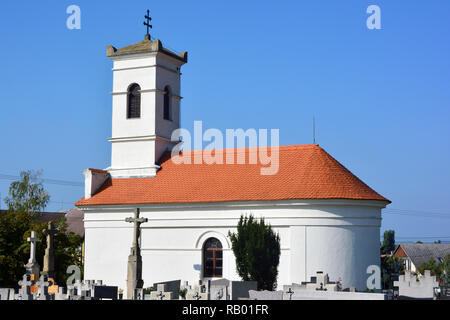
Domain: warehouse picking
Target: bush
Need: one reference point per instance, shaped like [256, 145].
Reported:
[257, 251]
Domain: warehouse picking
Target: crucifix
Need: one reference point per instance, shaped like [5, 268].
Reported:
[148, 25]
[32, 267]
[49, 257]
[134, 274]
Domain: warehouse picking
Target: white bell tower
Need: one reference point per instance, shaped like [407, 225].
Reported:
[146, 106]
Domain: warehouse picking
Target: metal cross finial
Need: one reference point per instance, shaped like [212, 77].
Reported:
[148, 25]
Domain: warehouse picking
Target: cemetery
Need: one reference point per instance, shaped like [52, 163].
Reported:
[40, 285]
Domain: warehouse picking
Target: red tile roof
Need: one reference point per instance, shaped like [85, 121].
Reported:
[305, 172]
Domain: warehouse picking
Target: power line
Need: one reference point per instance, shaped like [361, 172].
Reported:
[417, 213]
[46, 181]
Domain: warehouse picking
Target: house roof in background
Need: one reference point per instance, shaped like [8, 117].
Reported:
[305, 172]
[75, 223]
[74, 219]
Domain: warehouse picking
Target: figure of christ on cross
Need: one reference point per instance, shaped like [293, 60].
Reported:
[134, 274]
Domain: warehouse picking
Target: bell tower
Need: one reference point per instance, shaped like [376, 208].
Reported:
[145, 106]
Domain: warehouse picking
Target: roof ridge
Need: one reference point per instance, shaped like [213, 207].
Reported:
[285, 147]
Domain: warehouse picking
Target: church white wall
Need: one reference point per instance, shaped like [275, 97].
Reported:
[138, 143]
[340, 238]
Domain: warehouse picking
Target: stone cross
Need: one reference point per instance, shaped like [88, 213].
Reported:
[134, 274]
[32, 267]
[25, 290]
[49, 257]
[43, 285]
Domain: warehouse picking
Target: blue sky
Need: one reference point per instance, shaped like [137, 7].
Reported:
[381, 98]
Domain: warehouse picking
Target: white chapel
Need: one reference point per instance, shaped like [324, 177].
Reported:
[328, 219]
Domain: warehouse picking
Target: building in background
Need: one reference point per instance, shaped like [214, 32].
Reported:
[415, 254]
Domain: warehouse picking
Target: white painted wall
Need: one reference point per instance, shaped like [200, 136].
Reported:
[138, 143]
[340, 238]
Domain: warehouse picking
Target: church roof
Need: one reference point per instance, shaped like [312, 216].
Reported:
[144, 47]
[305, 172]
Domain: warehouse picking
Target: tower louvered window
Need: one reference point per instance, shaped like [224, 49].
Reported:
[166, 110]
[134, 101]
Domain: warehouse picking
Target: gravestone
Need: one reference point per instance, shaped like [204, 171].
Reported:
[43, 285]
[7, 294]
[240, 289]
[173, 286]
[104, 292]
[411, 287]
[219, 292]
[161, 293]
[62, 294]
[220, 289]
[265, 295]
[200, 291]
[25, 288]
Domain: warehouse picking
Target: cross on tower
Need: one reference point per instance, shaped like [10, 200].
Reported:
[148, 25]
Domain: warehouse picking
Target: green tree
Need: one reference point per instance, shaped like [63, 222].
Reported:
[27, 195]
[13, 229]
[388, 245]
[391, 268]
[27, 199]
[257, 250]
[445, 275]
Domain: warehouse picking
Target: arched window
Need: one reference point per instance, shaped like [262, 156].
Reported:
[212, 258]
[166, 111]
[134, 101]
